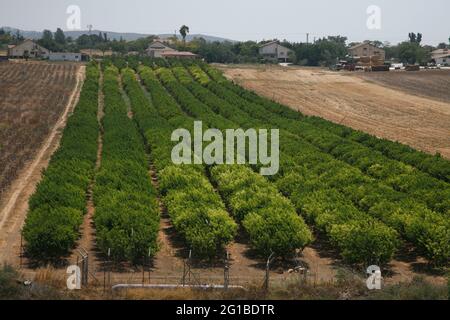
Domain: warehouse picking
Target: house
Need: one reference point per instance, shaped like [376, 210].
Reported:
[157, 48]
[441, 56]
[367, 50]
[28, 49]
[65, 56]
[275, 52]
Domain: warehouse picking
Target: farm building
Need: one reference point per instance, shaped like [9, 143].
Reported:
[367, 50]
[65, 56]
[28, 49]
[96, 53]
[179, 54]
[275, 52]
[441, 56]
[157, 48]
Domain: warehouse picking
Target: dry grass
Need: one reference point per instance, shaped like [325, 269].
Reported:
[347, 286]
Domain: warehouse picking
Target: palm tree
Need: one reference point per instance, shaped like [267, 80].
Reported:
[184, 30]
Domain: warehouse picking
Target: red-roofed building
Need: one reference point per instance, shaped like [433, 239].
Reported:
[179, 54]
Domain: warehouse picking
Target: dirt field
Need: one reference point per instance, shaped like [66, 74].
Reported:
[32, 98]
[33, 121]
[394, 113]
[434, 84]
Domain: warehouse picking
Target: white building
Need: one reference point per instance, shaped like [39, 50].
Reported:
[65, 56]
[275, 52]
[157, 48]
[28, 49]
[441, 56]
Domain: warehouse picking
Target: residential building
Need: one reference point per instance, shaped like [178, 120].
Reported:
[273, 51]
[28, 49]
[157, 48]
[441, 56]
[367, 50]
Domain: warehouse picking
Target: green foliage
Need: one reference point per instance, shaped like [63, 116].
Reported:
[196, 211]
[324, 51]
[412, 52]
[58, 205]
[333, 159]
[367, 241]
[256, 194]
[127, 214]
[52, 232]
[269, 219]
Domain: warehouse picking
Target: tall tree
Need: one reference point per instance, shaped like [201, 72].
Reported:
[419, 38]
[413, 38]
[412, 53]
[60, 37]
[18, 37]
[184, 30]
[47, 40]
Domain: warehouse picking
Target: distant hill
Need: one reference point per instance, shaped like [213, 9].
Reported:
[189, 37]
[128, 36]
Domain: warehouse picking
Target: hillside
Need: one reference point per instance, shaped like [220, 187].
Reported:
[128, 36]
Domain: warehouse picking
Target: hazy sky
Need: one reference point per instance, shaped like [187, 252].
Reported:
[241, 19]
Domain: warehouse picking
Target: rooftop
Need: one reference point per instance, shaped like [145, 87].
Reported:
[178, 54]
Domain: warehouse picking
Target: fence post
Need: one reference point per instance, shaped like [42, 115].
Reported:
[87, 268]
[184, 273]
[226, 272]
[143, 270]
[266, 280]
[21, 249]
[149, 263]
[189, 265]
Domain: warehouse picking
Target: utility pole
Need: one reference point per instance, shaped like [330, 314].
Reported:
[307, 38]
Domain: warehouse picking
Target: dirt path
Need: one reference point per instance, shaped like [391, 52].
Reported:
[15, 205]
[420, 122]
